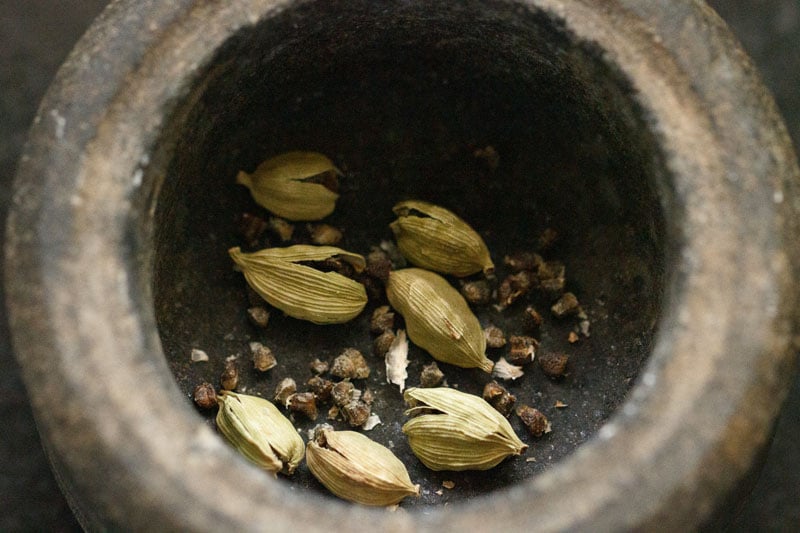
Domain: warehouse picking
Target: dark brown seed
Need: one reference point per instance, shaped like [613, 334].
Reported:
[567, 305]
[522, 349]
[356, 413]
[552, 287]
[350, 365]
[379, 264]
[498, 397]
[551, 270]
[531, 318]
[325, 234]
[342, 393]
[332, 264]
[281, 228]
[553, 364]
[229, 379]
[368, 397]
[476, 292]
[515, 286]
[431, 376]
[382, 343]
[495, 338]
[259, 316]
[547, 239]
[284, 390]
[382, 320]
[318, 367]
[263, 358]
[305, 403]
[321, 387]
[523, 261]
[343, 367]
[251, 227]
[534, 420]
[376, 290]
[205, 396]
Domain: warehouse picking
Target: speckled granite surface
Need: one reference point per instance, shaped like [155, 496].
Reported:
[36, 35]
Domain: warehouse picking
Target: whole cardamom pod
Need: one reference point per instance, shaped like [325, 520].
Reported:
[464, 433]
[356, 468]
[434, 238]
[294, 185]
[438, 318]
[258, 430]
[299, 290]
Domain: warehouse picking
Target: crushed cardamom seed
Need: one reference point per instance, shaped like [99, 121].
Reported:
[263, 358]
[534, 420]
[498, 397]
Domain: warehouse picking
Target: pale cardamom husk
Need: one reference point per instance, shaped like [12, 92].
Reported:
[258, 430]
[438, 319]
[356, 468]
[434, 238]
[465, 433]
[294, 185]
[301, 291]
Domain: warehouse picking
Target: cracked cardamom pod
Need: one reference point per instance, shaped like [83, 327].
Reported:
[356, 468]
[434, 238]
[464, 433]
[281, 277]
[295, 185]
[258, 430]
[438, 318]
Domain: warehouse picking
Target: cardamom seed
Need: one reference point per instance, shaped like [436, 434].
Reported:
[299, 290]
[356, 468]
[434, 238]
[258, 430]
[294, 185]
[438, 318]
[463, 433]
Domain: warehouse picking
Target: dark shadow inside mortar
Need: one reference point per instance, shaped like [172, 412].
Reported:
[401, 98]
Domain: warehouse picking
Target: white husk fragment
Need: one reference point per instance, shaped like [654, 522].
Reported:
[397, 361]
[505, 370]
[198, 356]
[372, 421]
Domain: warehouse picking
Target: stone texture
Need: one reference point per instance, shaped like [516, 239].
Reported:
[36, 37]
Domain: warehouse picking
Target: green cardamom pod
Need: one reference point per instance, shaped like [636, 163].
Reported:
[434, 238]
[356, 468]
[438, 319]
[299, 290]
[258, 430]
[464, 433]
[294, 185]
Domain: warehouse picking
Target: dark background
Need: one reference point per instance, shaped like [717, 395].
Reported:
[35, 37]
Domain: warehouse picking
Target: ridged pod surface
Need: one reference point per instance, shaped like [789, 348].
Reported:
[354, 467]
[294, 185]
[438, 318]
[465, 433]
[260, 432]
[435, 238]
[301, 291]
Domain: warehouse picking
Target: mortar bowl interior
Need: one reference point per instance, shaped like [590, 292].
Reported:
[402, 100]
[653, 153]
